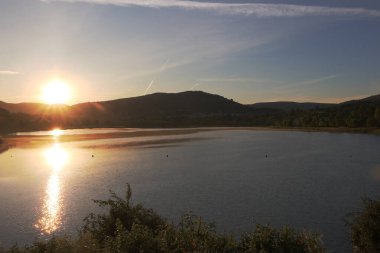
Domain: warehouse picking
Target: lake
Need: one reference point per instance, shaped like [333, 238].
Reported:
[233, 177]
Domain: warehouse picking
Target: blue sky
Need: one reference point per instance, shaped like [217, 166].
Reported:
[251, 51]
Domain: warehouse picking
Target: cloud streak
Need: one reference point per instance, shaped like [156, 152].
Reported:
[246, 9]
[9, 72]
[308, 83]
[318, 80]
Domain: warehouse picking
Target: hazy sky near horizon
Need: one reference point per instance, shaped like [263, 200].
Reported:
[251, 51]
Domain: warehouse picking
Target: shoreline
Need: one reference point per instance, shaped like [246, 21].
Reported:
[3, 145]
[373, 131]
[40, 140]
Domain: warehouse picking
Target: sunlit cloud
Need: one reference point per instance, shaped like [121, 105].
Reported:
[246, 9]
[9, 72]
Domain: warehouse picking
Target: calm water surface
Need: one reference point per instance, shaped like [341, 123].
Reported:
[235, 178]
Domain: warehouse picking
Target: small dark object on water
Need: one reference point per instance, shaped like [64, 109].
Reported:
[167, 155]
[266, 156]
[92, 155]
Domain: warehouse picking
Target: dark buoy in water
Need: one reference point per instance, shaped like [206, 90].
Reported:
[92, 155]
[167, 155]
[266, 155]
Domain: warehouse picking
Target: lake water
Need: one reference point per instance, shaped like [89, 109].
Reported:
[235, 178]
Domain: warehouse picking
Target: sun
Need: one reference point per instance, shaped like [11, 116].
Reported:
[56, 92]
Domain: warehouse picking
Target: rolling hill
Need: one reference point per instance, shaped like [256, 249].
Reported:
[32, 108]
[187, 109]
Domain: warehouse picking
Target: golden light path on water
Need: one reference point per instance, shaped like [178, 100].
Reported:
[56, 157]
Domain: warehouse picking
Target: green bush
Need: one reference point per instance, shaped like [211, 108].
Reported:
[365, 227]
[121, 212]
[265, 239]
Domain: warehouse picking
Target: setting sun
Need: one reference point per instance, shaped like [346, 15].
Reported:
[56, 92]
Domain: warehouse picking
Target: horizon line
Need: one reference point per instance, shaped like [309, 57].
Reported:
[342, 100]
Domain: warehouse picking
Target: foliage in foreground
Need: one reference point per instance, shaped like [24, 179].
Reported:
[133, 228]
[365, 228]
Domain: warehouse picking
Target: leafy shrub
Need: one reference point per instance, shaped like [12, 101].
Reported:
[121, 214]
[365, 228]
[265, 239]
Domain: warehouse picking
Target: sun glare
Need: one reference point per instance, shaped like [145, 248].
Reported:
[56, 132]
[56, 92]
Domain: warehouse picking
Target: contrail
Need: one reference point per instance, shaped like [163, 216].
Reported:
[149, 86]
[195, 85]
[9, 72]
[245, 9]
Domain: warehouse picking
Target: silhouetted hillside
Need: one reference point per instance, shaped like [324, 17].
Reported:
[371, 99]
[355, 113]
[162, 104]
[32, 108]
[188, 109]
[162, 109]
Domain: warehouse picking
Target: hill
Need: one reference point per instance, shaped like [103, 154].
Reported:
[184, 109]
[169, 104]
[371, 99]
[188, 109]
[362, 113]
[32, 108]
[191, 108]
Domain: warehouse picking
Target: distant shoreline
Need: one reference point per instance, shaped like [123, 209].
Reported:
[375, 131]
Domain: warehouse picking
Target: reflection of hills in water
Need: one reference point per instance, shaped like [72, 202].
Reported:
[122, 137]
[77, 131]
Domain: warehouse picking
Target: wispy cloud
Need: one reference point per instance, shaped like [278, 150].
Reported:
[239, 79]
[163, 67]
[307, 83]
[149, 86]
[318, 80]
[9, 72]
[247, 9]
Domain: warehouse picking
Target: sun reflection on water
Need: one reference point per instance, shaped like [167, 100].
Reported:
[51, 219]
[56, 157]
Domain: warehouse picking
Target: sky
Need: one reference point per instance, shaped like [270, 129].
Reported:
[250, 51]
